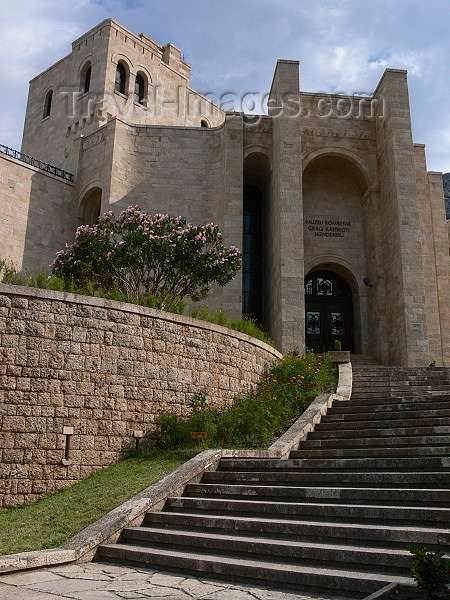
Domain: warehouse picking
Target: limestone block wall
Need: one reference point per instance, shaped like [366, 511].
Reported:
[436, 258]
[106, 369]
[37, 214]
[286, 265]
[404, 279]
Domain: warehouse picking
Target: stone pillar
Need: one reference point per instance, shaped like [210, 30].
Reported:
[286, 254]
[404, 278]
[374, 342]
[230, 206]
[439, 235]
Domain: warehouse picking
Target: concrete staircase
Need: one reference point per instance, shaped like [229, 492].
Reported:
[338, 517]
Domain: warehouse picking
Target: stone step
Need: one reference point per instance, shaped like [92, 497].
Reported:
[365, 452]
[399, 379]
[372, 393]
[365, 409]
[335, 432]
[374, 423]
[367, 442]
[426, 479]
[430, 415]
[356, 582]
[406, 387]
[431, 463]
[400, 374]
[341, 513]
[370, 381]
[359, 388]
[421, 372]
[395, 560]
[398, 536]
[399, 496]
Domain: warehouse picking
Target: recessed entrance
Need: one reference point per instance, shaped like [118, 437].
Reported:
[328, 312]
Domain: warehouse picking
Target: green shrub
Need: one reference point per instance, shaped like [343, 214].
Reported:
[219, 317]
[254, 419]
[430, 571]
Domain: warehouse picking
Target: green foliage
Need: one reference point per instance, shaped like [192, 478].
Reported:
[219, 317]
[430, 571]
[254, 419]
[337, 345]
[40, 279]
[159, 255]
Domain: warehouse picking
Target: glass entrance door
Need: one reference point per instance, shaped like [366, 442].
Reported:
[329, 312]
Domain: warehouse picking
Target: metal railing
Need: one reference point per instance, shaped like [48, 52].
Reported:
[34, 162]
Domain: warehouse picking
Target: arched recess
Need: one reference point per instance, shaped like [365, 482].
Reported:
[354, 279]
[256, 191]
[366, 179]
[334, 182]
[90, 206]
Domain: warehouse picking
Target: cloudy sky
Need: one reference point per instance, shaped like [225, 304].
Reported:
[343, 46]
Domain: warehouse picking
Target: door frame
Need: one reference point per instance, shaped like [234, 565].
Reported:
[327, 292]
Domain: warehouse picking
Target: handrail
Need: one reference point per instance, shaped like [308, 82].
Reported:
[29, 160]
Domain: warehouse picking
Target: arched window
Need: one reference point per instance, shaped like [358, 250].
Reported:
[48, 104]
[86, 78]
[204, 123]
[139, 89]
[91, 206]
[121, 78]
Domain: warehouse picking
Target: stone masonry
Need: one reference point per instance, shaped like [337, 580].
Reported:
[105, 369]
[343, 189]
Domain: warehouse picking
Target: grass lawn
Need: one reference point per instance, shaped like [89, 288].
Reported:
[51, 521]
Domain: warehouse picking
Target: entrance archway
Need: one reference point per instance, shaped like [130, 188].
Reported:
[328, 312]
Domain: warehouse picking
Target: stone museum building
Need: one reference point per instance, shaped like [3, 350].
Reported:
[343, 230]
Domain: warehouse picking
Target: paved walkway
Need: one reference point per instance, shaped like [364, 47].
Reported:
[102, 581]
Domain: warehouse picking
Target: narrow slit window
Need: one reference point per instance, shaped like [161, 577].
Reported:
[87, 80]
[48, 104]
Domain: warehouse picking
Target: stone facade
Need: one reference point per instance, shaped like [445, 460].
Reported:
[167, 96]
[343, 189]
[38, 213]
[104, 369]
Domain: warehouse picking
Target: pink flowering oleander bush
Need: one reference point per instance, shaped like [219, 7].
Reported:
[136, 254]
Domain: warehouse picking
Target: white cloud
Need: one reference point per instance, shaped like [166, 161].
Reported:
[343, 45]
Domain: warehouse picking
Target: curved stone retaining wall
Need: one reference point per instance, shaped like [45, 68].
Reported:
[104, 369]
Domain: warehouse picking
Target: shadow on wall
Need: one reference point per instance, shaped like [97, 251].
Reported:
[51, 220]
